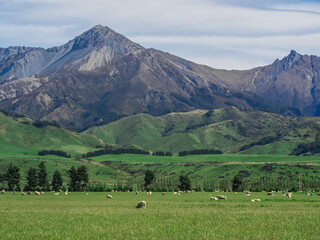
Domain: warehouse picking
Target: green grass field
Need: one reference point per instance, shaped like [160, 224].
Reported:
[189, 216]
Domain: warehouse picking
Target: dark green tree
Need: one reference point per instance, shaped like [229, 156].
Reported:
[236, 183]
[32, 179]
[56, 181]
[2, 180]
[148, 178]
[185, 183]
[12, 177]
[74, 179]
[42, 175]
[83, 176]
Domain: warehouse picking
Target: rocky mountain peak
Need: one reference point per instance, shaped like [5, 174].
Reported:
[100, 36]
[292, 58]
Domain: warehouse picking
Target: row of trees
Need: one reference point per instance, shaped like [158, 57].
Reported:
[54, 152]
[149, 178]
[262, 141]
[41, 124]
[116, 151]
[38, 179]
[302, 148]
[200, 152]
[160, 153]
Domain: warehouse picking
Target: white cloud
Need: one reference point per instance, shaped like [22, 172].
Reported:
[254, 31]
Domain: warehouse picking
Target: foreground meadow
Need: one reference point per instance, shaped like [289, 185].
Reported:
[189, 216]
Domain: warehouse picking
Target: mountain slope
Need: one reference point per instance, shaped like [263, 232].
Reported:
[226, 129]
[292, 81]
[101, 76]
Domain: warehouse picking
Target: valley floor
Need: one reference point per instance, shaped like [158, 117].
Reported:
[189, 216]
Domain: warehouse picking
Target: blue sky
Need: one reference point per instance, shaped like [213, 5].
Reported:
[220, 33]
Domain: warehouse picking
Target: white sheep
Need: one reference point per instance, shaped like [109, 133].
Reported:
[222, 197]
[141, 204]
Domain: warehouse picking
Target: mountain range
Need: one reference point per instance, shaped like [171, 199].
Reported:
[101, 76]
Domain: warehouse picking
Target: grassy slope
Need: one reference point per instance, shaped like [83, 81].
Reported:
[17, 138]
[212, 168]
[227, 129]
[20, 143]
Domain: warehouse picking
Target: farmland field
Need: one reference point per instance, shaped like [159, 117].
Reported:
[189, 216]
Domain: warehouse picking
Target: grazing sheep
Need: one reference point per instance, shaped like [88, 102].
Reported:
[87, 194]
[222, 197]
[163, 193]
[308, 194]
[256, 200]
[141, 204]
[29, 193]
[270, 194]
[128, 190]
[3, 191]
[175, 193]
[66, 193]
[23, 194]
[42, 193]
[56, 194]
[14, 192]
[37, 193]
[289, 195]
[109, 196]
[137, 192]
[149, 193]
[214, 198]
[247, 192]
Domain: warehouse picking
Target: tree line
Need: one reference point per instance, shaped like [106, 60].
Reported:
[106, 151]
[200, 152]
[262, 141]
[42, 124]
[302, 148]
[54, 152]
[160, 153]
[38, 179]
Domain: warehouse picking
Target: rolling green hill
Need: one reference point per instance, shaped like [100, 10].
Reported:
[19, 137]
[229, 129]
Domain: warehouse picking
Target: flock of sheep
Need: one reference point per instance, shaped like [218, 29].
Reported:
[143, 204]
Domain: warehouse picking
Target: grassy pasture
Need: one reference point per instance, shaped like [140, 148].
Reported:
[111, 168]
[189, 216]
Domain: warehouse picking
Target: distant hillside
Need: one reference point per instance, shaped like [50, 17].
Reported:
[229, 129]
[18, 136]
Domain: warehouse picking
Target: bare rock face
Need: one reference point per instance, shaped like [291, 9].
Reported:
[101, 76]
